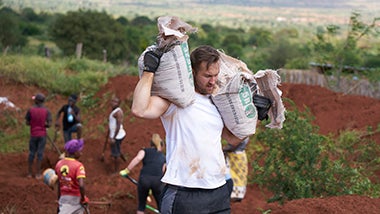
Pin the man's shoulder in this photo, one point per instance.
(63, 107)
(38, 108)
(118, 109)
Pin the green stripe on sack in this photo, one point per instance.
(186, 55)
(245, 96)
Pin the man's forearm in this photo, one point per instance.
(141, 95)
(230, 138)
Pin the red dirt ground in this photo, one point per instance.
(18, 194)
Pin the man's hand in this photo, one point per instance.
(124, 172)
(152, 60)
(112, 141)
(85, 201)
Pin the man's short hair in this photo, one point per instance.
(39, 98)
(73, 97)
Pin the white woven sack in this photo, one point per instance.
(234, 102)
(229, 66)
(173, 79)
(268, 81)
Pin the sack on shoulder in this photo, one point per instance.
(263, 104)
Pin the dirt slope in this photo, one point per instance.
(334, 112)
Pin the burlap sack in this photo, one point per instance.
(173, 79)
(229, 66)
(171, 30)
(234, 102)
(268, 81)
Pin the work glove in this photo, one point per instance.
(124, 173)
(85, 201)
(152, 60)
(263, 104)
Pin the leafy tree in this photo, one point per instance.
(98, 33)
(232, 44)
(207, 28)
(137, 40)
(347, 52)
(281, 52)
(259, 37)
(10, 32)
(206, 34)
(372, 61)
(29, 14)
(122, 20)
(202, 38)
(142, 21)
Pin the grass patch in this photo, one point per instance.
(63, 76)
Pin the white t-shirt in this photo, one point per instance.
(113, 123)
(194, 153)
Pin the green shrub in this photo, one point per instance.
(296, 162)
(89, 101)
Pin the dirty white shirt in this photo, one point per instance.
(194, 153)
(113, 123)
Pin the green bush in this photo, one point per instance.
(295, 162)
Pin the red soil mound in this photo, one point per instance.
(333, 113)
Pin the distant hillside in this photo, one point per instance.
(236, 13)
(282, 3)
(365, 4)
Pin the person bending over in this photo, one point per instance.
(150, 174)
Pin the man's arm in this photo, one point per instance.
(58, 189)
(48, 119)
(82, 190)
(119, 120)
(27, 118)
(76, 114)
(144, 105)
(230, 138)
(58, 116)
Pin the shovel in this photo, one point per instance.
(61, 155)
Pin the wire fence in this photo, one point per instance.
(353, 86)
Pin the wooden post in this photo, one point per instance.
(79, 50)
(104, 55)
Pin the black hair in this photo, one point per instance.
(74, 97)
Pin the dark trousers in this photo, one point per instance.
(36, 145)
(147, 183)
(182, 200)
